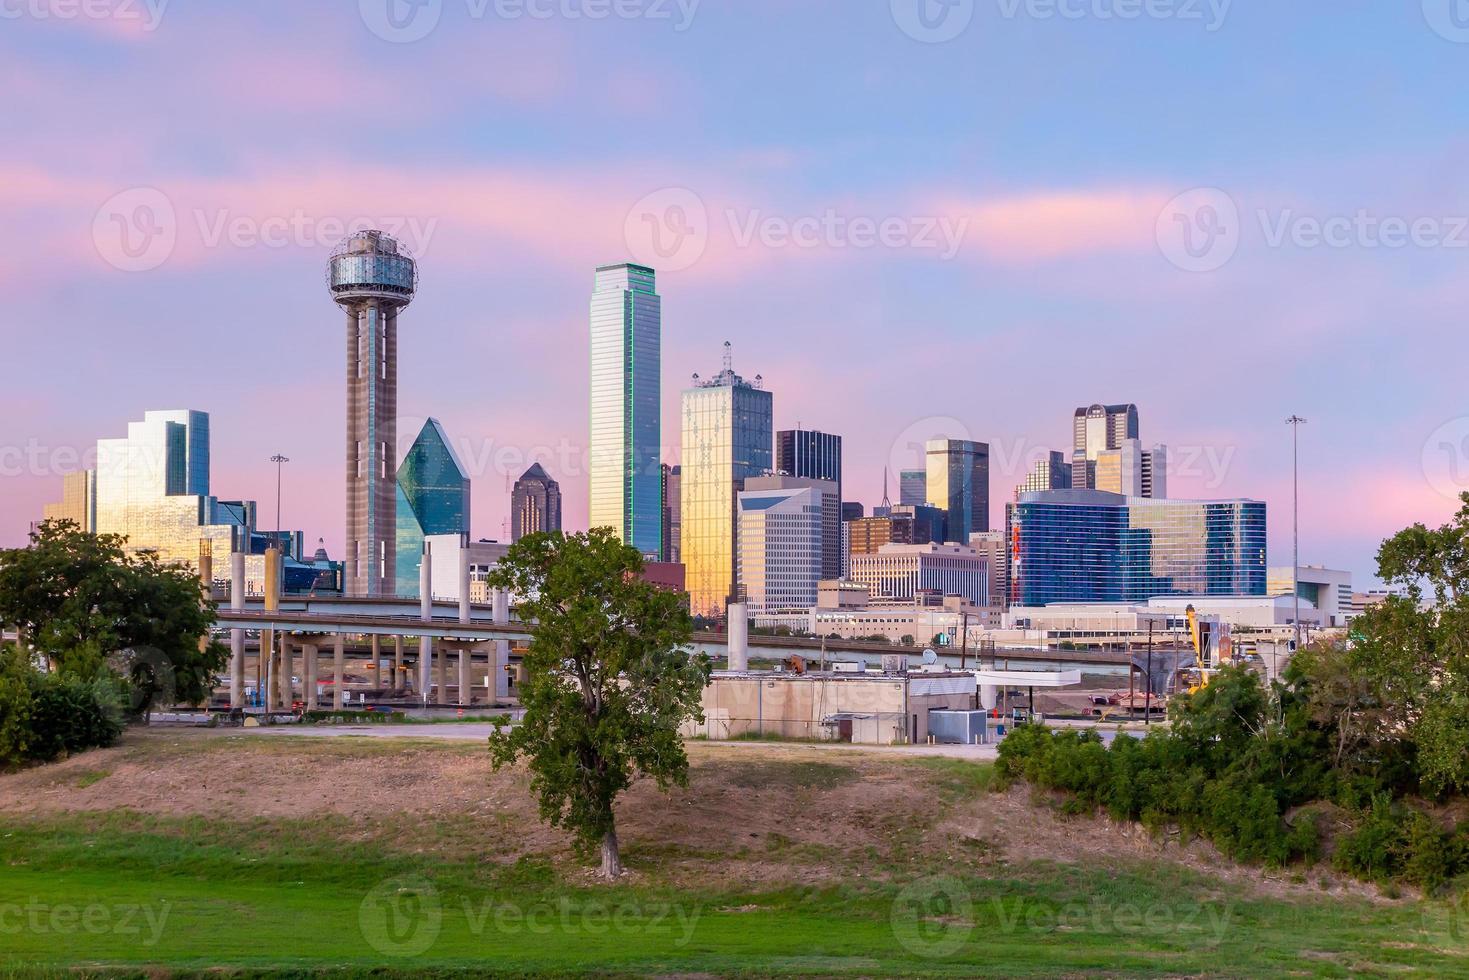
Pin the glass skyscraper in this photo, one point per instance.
(912, 487)
(727, 437)
(626, 479)
(959, 483)
(433, 498)
(1091, 546)
(153, 487)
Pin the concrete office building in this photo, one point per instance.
(372, 278)
(1094, 430)
(727, 439)
(1131, 470)
(866, 535)
(672, 514)
(535, 503)
(831, 527)
(626, 378)
(1050, 472)
(851, 511)
(1328, 590)
(959, 483)
(1098, 427)
(992, 546)
(903, 571)
(779, 552)
(432, 492)
(841, 706)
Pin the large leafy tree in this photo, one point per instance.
(1395, 697)
(609, 681)
(84, 603)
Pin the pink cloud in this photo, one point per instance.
(1056, 224)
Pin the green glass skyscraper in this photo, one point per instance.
(433, 498)
(626, 479)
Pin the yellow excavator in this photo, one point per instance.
(1213, 648)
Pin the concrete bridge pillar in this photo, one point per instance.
(466, 691)
(308, 678)
(376, 643)
(426, 613)
(237, 636)
(464, 612)
(499, 613)
(287, 669)
(339, 671)
(398, 663)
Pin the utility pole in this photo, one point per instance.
(964, 638)
(278, 460)
(1295, 422)
(1148, 698)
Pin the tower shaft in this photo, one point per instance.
(372, 446)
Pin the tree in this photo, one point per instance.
(1396, 697)
(85, 604)
(609, 681)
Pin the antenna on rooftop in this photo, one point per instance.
(728, 357)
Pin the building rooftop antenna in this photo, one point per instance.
(728, 357)
(885, 501)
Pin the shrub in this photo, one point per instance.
(1375, 849)
(69, 715)
(15, 706)
(43, 716)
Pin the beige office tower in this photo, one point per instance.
(78, 502)
(372, 278)
(1132, 470)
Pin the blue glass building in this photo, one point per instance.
(626, 478)
(1091, 546)
(433, 498)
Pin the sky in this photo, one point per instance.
(912, 218)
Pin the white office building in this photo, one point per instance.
(902, 571)
(779, 548)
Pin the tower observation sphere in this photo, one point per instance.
(372, 277)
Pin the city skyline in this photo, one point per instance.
(1060, 261)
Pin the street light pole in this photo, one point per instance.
(1295, 422)
(278, 460)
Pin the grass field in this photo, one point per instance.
(400, 891)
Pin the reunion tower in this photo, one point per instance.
(372, 277)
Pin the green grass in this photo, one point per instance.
(123, 891)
